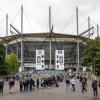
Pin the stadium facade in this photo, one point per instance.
(41, 41)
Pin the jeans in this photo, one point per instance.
(95, 92)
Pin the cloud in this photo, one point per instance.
(63, 14)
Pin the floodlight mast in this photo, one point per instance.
(88, 30)
(89, 25)
(77, 59)
(22, 37)
(97, 30)
(50, 37)
(6, 34)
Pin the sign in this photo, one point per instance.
(40, 60)
(84, 69)
(59, 60)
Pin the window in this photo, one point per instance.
(61, 59)
(38, 59)
(42, 61)
(42, 66)
(59, 51)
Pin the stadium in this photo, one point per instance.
(41, 41)
(48, 50)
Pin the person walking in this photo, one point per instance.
(11, 85)
(21, 84)
(73, 84)
(84, 84)
(31, 84)
(37, 82)
(94, 86)
(1, 86)
(24, 84)
(67, 84)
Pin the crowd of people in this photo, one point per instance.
(82, 81)
(29, 83)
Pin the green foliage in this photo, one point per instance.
(91, 54)
(96, 62)
(12, 62)
(2, 54)
(3, 70)
(8, 65)
(3, 66)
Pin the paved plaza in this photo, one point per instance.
(49, 93)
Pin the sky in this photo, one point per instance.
(36, 15)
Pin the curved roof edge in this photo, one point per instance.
(40, 35)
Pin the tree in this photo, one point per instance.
(3, 67)
(96, 63)
(2, 54)
(13, 63)
(91, 54)
(96, 60)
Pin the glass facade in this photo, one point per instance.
(30, 47)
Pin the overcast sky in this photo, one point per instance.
(36, 15)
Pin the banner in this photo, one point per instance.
(40, 60)
(59, 60)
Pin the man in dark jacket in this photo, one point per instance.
(84, 84)
(1, 86)
(94, 86)
(21, 84)
(37, 82)
(67, 81)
